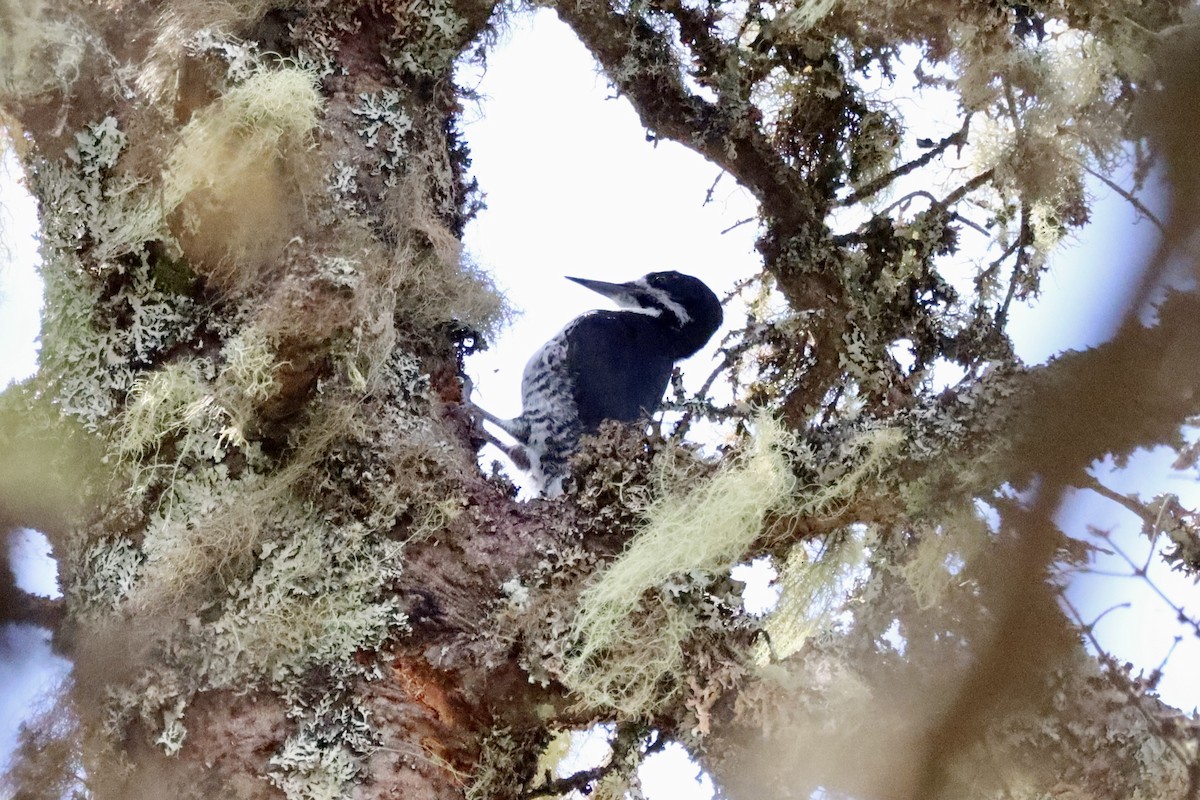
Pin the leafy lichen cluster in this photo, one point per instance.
(258, 297)
(323, 756)
(254, 364)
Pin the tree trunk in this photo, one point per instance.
(251, 219)
(287, 576)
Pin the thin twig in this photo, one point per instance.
(742, 285)
(1011, 101)
(970, 224)
(1181, 614)
(994, 267)
(933, 201)
(942, 205)
(1108, 611)
(685, 421)
(1024, 239)
(1128, 502)
(708, 196)
(1135, 699)
(1162, 665)
(872, 188)
(967, 188)
(1129, 197)
(738, 224)
(1103, 573)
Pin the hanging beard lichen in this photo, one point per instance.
(634, 620)
(629, 628)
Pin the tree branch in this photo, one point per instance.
(31, 609)
(1129, 197)
(871, 188)
(578, 782)
(641, 63)
(1024, 239)
(965, 189)
(582, 781)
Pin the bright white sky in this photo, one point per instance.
(574, 188)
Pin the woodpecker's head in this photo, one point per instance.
(685, 304)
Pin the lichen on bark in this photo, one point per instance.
(288, 576)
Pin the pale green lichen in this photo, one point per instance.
(321, 759)
(200, 31)
(243, 59)
(172, 731)
(201, 537)
(340, 271)
(94, 341)
(342, 185)
(385, 127)
(430, 39)
(517, 594)
(250, 364)
(811, 592)
(109, 569)
(97, 148)
(493, 776)
(704, 530)
(314, 768)
(934, 564)
(158, 702)
(246, 565)
(1180, 526)
(313, 595)
(267, 586)
(319, 37)
(268, 112)
(957, 443)
(105, 216)
(317, 597)
(238, 177)
(173, 406)
(107, 316)
(633, 621)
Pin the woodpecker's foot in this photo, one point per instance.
(476, 414)
(518, 456)
(516, 453)
(468, 387)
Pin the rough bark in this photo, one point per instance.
(289, 577)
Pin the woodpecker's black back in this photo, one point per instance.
(609, 365)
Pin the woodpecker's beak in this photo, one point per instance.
(621, 293)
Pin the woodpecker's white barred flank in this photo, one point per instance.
(606, 365)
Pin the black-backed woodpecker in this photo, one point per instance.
(606, 365)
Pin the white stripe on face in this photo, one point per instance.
(629, 300)
(665, 300)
